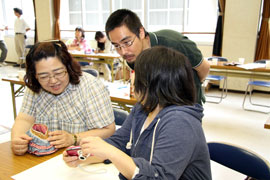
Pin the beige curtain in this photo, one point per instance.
(36, 34)
(263, 43)
(57, 16)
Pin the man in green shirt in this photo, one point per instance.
(127, 34)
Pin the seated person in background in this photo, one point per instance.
(79, 43)
(103, 46)
(71, 103)
(162, 138)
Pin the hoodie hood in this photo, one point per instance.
(196, 111)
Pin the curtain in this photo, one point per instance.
(263, 43)
(217, 47)
(36, 34)
(57, 16)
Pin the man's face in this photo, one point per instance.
(127, 44)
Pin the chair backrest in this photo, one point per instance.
(92, 71)
(220, 59)
(120, 116)
(240, 160)
(262, 61)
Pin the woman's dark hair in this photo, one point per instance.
(44, 50)
(81, 30)
(99, 35)
(163, 76)
(124, 17)
(17, 10)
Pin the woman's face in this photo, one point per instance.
(52, 75)
(78, 34)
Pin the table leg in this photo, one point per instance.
(112, 63)
(13, 100)
(124, 71)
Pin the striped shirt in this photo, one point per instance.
(79, 108)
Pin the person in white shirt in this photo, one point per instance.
(20, 28)
(3, 46)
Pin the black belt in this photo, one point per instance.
(19, 33)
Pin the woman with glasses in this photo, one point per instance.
(162, 138)
(71, 103)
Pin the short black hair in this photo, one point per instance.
(124, 17)
(163, 77)
(17, 10)
(81, 30)
(41, 50)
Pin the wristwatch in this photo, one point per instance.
(75, 137)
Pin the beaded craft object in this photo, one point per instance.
(39, 145)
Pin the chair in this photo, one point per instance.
(92, 72)
(217, 78)
(120, 116)
(240, 160)
(251, 84)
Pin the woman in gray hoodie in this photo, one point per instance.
(162, 138)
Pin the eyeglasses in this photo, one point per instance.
(46, 77)
(125, 44)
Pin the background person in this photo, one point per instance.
(20, 29)
(162, 138)
(70, 103)
(126, 33)
(79, 43)
(3, 46)
(103, 46)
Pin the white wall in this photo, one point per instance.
(206, 50)
(44, 27)
(240, 34)
(45, 18)
(12, 55)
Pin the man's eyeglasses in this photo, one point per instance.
(125, 44)
(46, 77)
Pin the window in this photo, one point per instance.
(194, 16)
(8, 17)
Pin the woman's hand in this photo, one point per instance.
(60, 139)
(71, 161)
(19, 144)
(95, 146)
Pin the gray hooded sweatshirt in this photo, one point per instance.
(180, 150)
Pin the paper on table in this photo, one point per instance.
(55, 169)
(119, 90)
(252, 65)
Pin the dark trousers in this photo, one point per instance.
(4, 50)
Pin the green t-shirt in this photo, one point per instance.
(178, 42)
